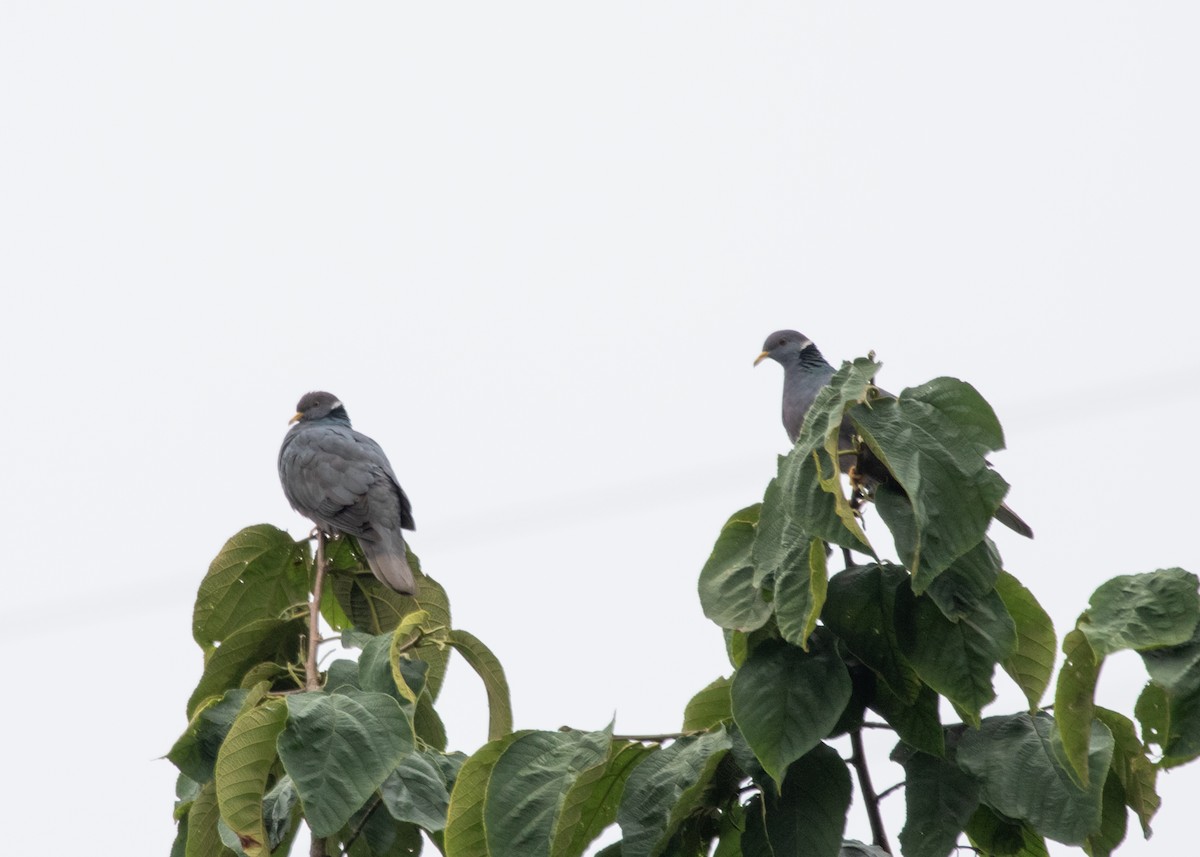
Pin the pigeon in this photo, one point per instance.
(805, 372)
(341, 480)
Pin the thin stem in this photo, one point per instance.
(846, 556)
(361, 824)
(888, 791)
(870, 799)
(657, 739)
(312, 674)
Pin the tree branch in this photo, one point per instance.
(870, 799)
(312, 672)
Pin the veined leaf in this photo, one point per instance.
(243, 765)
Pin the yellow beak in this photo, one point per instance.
(760, 358)
(295, 418)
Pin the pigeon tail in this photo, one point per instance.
(389, 563)
(1013, 521)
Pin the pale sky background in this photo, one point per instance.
(535, 248)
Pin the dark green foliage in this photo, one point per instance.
(817, 651)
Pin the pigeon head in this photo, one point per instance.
(319, 405)
(785, 347)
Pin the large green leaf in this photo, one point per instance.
(1074, 701)
(1023, 776)
(248, 646)
(1142, 611)
(339, 748)
(956, 659)
(195, 753)
(800, 591)
(592, 803)
(807, 816)
(664, 789)
(1113, 820)
(728, 594)
(786, 700)
(993, 836)
(1132, 766)
(203, 839)
(917, 723)
(417, 792)
(941, 799)
(968, 580)
(536, 788)
(488, 667)
(710, 707)
(1175, 692)
(860, 609)
(258, 574)
(932, 440)
(465, 835)
(243, 765)
(1032, 662)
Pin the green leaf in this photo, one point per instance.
(932, 439)
(955, 658)
(417, 792)
(810, 476)
(1132, 767)
(1112, 820)
(785, 700)
(407, 634)
(258, 574)
(1032, 662)
(774, 537)
(968, 580)
(917, 723)
(465, 835)
(994, 836)
(941, 799)
(195, 753)
(242, 769)
(664, 789)
(203, 840)
(281, 812)
(1074, 701)
(339, 748)
(536, 788)
(1142, 611)
(800, 591)
(860, 609)
(248, 646)
(710, 707)
(488, 667)
(728, 595)
(592, 804)
(1022, 775)
(807, 817)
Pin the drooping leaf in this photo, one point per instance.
(956, 659)
(1023, 776)
(195, 753)
(994, 836)
(807, 816)
(280, 812)
(941, 799)
(710, 707)
(258, 574)
(242, 769)
(800, 591)
(1113, 820)
(1142, 611)
(860, 609)
(663, 790)
(407, 635)
(530, 786)
(487, 665)
(967, 580)
(339, 748)
(1132, 766)
(248, 646)
(917, 723)
(416, 791)
(728, 595)
(1074, 702)
(932, 440)
(1032, 662)
(786, 700)
(203, 839)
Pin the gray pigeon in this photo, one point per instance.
(805, 372)
(341, 480)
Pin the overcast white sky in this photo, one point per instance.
(535, 248)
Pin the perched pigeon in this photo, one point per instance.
(342, 481)
(805, 372)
